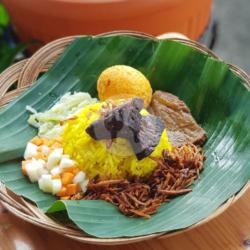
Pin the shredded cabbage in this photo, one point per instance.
(49, 123)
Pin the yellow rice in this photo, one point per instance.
(95, 158)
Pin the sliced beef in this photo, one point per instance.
(181, 126)
(125, 121)
(122, 121)
(151, 128)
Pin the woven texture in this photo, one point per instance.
(17, 79)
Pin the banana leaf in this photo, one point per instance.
(216, 96)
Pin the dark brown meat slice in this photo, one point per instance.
(148, 138)
(125, 121)
(181, 126)
(122, 121)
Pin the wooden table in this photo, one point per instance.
(231, 230)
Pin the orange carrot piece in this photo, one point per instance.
(67, 178)
(75, 171)
(70, 170)
(62, 192)
(37, 141)
(24, 168)
(45, 141)
(65, 198)
(40, 156)
(72, 189)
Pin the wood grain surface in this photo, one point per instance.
(231, 230)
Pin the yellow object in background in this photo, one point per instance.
(123, 82)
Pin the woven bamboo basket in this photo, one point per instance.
(18, 78)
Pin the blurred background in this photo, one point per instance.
(233, 31)
(26, 25)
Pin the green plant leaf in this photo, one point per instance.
(217, 97)
(4, 17)
(8, 54)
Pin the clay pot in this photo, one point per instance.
(47, 20)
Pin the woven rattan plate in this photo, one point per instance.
(20, 76)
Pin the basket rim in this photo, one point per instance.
(20, 73)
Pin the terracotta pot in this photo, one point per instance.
(47, 20)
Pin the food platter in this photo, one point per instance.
(40, 62)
